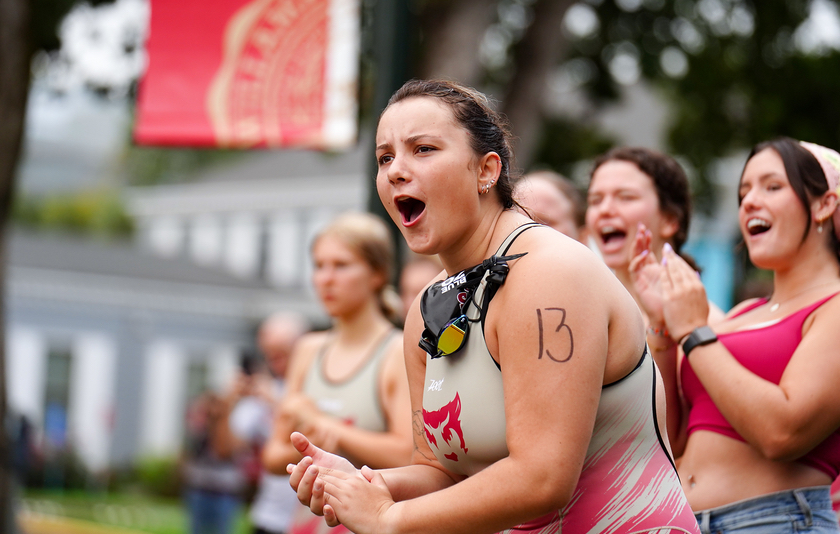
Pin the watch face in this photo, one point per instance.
(705, 334)
(700, 336)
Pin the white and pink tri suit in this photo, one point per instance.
(628, 483)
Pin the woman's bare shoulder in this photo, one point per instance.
(312, 341)
(558, 269)
(829, 309)
(306, 348)
(560, 273)
(550, 253)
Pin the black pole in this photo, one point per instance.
(392, 58)
(15, 63)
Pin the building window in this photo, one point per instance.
(56, 408)
(197, 378)
(57, 397)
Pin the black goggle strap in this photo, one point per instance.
(496, 270)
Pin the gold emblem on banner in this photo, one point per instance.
(269, 90)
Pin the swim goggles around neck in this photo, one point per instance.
(444, 305)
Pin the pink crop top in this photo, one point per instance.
(765, 352)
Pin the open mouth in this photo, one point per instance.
(610, 233)
(757, 226)
(410, 209)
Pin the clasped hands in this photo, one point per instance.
(333, 488)
(670, 290)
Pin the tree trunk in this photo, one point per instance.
(537, 54)
(15, 54)
(452, 33)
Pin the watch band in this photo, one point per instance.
(702, 335)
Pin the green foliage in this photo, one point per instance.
(154, 165)
(745, 82)
(123, 510)
(97, 213)
(159, 476)
(119, 512)
(565, 142)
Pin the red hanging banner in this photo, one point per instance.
(250, 74)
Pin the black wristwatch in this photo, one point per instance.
(699, 336)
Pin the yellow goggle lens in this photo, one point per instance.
(452, 336)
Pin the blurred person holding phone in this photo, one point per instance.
(255, 395)
(214, 481)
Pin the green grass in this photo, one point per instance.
(124, 510)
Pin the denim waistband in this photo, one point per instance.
(805, 502)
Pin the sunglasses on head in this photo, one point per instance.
(452, 336)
